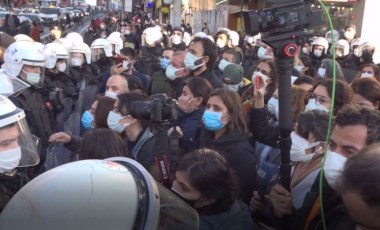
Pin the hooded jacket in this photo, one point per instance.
(239, 154)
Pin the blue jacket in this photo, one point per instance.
(191, 128)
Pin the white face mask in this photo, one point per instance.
(233, 88)
(76, 62)
(176, 39)
(62, 67)
(318, 53)
(111, 94)
(305, 50)
(113, 122)
(190, 60)
(261, 54)
(333, 168)
(299, 68)
(127, 32)
(9, 159)
(222, 64)
(313, 105)
(357, 52)
(259, 74)
(349, 35)
(170, 72)
(297, 150)
(126, 65)
(102, 26)
(364, 75)
(220, 43)
(273, 107)
(321, 72)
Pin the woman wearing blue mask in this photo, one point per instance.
(226, 132)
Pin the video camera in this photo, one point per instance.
(161, 111)
(285, 17)
(158, 109)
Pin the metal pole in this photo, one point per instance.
(177, 12)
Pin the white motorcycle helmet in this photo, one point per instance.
(234, 37)
(99, 44)
(13, 118)
(80, 47)
(23, 37)
(320, 41)
(74, 37)
(53, 52)
(116, 40)
(67, 43)
(23, 53)
(116, 193)
(343, 44)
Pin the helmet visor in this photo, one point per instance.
(29, 154)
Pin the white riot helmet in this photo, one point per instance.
(116, 40)
(74, 37)
(67, 43)
(253, 40)
(23, 37)
(356, 42)
(6, 86)
(320, 41)
(14, 130)
(344, 45)
(97, 194)
(53, 52)
(79, 48)
(234, 37)
(152, 35)
(329, 36)
(369, 46)
(23, 53)
(98, 45)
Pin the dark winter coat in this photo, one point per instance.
(236, 217)
(239, 154)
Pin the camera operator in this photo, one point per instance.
(139, 137)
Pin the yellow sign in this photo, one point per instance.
(165, 10)
(158, 3)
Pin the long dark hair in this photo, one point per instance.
(211, 175)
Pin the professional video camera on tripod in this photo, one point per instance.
(283, 27)
(161, 111)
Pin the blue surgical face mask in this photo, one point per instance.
(223, 64)
(164, 62)
(87, 119)
(212, 120)
(113, 120)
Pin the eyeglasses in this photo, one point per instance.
(262, 71)
(318, 99)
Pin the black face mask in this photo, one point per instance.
(367, 56)
(187, 201)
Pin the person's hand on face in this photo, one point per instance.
(185, 103)
(117, 69)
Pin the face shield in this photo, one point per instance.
(62, 65)
(115, 192)
(97, 53)
(33, 74)
(76, 59)
(16, 137)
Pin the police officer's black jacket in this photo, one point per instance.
(10, 184)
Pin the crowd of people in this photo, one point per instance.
(79, 97)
